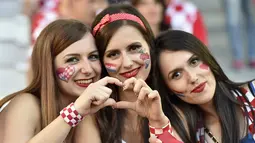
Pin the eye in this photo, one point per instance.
(135, 48)
(72, 60)
(93, 57)
(194, 61)
(113, 55)
(177, 75)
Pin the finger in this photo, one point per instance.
(99, 98)
(138, 85)
(125, 105)
(143, 93)
(110, 80)
(153, 139)
(154, 95)
(129, 83)
(108, 102)
(106, 90)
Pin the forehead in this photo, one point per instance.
(173, 59)
(85, 45)
(124, 36)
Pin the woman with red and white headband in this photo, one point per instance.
(125, 42)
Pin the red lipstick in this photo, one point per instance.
(131, 73)
(199, 88)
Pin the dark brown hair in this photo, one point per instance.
(224, 100)
(110, 121)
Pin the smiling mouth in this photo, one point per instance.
(199, 88)
(84, 82)
(131, 73)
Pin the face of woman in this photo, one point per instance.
(127, 55)
(151, 10)
(78, 66)
(187, 76)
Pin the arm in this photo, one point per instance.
(23, 120)
(148, 104)
(87, 131)
(23, 115)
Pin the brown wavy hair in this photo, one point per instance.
(55, 38)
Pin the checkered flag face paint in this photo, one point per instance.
(65, 73)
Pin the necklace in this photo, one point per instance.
(211, 135)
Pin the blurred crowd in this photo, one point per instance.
(161, 15)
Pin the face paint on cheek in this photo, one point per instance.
(204, 66)
(146, 58)
(65, 73)
(110, 67)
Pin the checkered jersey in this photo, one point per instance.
(250, 98)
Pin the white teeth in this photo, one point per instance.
(84, 81)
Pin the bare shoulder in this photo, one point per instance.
(25, 102)
(23, 105)
(20, 118)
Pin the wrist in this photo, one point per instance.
(159, 123)
(71, 115)
(80, 110)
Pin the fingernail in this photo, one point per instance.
(158, 141)
(124, 88)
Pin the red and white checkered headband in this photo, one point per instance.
(114, 17)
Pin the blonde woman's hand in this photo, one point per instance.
(96, 96)
(148, 103)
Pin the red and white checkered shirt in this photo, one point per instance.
(184, 15)
(250, 95)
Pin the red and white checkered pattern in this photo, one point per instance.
(159, 131)
(114, 17)
(70, 115)
(182, 15)
(65, 73)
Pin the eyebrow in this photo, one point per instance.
(130, 45)
(76, 54)
(177, 69)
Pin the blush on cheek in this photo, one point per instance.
(65, 73)
(204, 66)
(110, 67)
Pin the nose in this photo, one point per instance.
(127, 61)
(86, 68)
(193, 77)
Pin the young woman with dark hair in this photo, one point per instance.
(125, 42)
(188, 77)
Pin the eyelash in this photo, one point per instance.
(196, 60)
(94, 57)
(113, 54)
(71, 60)
(135, 48)
(174, 74)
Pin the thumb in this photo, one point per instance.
(153, 139)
